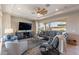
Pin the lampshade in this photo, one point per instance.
(9, 30)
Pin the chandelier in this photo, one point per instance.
(41, 11)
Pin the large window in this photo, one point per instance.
(56, 26)
(60, 26)
(41, 27)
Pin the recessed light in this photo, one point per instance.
(18, 8)
(57, 9)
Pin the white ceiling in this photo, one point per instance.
(27, 10)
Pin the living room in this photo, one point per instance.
(28, 21)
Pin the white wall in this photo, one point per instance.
(0, 30)
(6, 23)
(73, 27)
(73, 24)
(0, 23)
(0, 20)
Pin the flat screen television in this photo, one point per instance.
(24, 26)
